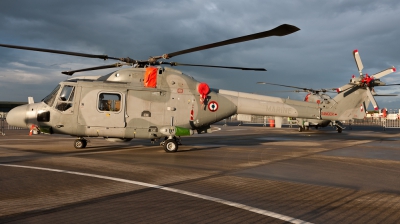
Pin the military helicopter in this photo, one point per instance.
(317, 96)
(154, 102)
(321, 97)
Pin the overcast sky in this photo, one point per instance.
(317, 56)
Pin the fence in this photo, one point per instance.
(2, 120)
(250, 119)
(5, 126)
(389, 123)
(368, 121)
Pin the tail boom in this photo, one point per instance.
(345, 106)
(254, 104)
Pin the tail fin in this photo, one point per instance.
(359, 113)
(352, 103)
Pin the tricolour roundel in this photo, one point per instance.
(213, 106)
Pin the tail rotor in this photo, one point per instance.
(366, 81)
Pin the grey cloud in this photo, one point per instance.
(318, 56)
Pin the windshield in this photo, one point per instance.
(49, 100)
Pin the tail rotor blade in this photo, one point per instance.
(344, 88)
(372, 99)
(383, 73)
(358, 61)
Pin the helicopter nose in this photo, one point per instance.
(17, 116)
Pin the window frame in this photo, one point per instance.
(69, 101)
(107, 97)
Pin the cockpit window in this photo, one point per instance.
(66, 98)
(49, 100)
(67, 93)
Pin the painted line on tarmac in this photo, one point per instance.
(188, 193)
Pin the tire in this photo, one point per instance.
(170, 145)
(300, 128)
(84, 143)
(339, 130)
(80, 144)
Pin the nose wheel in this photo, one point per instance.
(80, 143)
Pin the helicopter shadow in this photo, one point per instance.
(197, 149)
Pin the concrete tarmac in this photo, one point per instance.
(241, 174)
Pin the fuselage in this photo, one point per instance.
(130, 104)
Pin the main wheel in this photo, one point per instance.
(80, 143)
(339, 130)
(307, 128)
(300, 128)
(170, 145)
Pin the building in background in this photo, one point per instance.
(6, 106)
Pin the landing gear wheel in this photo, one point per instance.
(339, 130)
(84, 143)
(300, 128)
(170, 145)
(307, 128)
(316, 127)
(80, 143)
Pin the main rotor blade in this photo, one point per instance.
(383, 73)
(359, 64)
(55, 51)
(372, 99)
(397, 84)
(281, 30)
(287, 91)
(93, 68)
(212, 66)
(104, 57)
(285, 86)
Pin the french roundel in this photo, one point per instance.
(213, 106)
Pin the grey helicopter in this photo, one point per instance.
(150, 101)
(320, 96)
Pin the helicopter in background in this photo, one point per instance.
(318, 96)
(321, 97)
(159, 103)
